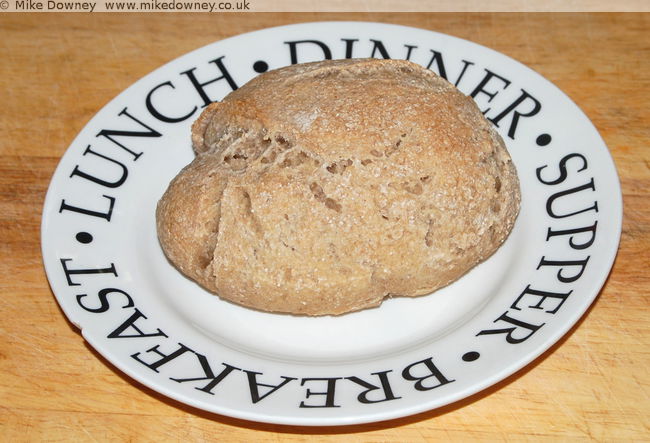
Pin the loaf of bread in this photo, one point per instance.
(323, 188)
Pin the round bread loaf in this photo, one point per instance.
(323, 188)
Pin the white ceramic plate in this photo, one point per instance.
(112, 280)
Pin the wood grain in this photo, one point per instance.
(58, 70)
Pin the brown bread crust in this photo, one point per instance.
(324, 187)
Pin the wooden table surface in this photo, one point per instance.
(57, 71)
